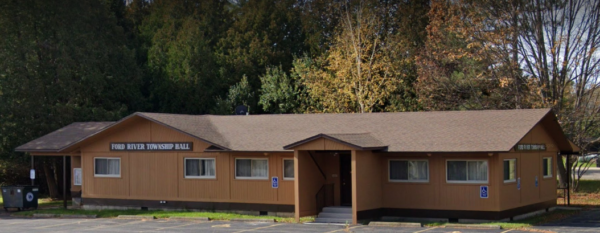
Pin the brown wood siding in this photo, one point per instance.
(141, 130)
(205, 189)
(529, 165)
(75, 163)
(510, 195)
(309, 180)
(323, 144)
(160, 175)
(368, 180)
(105, 186)
(438, 194)
(411, 195)
(153, 175)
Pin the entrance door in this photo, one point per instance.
(530, 171)
(346, 179)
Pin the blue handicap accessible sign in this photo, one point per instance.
(274, 182)
(483, 191)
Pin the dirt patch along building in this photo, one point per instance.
(491, 164)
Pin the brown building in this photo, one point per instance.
(457, 164)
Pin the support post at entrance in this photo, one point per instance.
(296, 187)
(65, 181)
(568, 181)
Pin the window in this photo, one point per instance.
(547, 167)
(107, 167)
(288, 169)
(467, 171)
(409, 170)
(510, 170)
(252, 169)
(199, 168)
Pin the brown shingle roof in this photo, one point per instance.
(64, 137)
(443, 131)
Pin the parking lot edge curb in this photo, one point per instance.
(252, 220)
(141, 217)
(472, 226)
(395, 224)
(190, 218)
(46, 215)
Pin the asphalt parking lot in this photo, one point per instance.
(123, 225)
(586, 221)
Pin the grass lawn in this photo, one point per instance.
(519, 224)
(159, 214)
(587, 196)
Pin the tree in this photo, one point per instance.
(558, 47)
(239, 94)
(358, 74)
(59, 65)
(468, 61)
(182, 37)
(263, 33)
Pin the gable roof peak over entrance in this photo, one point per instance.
(359, 141)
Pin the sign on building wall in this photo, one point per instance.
(151, 146)
(274, 182)
(483, 192)
(77, 176)
(530, 147)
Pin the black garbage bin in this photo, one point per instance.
(20, 197)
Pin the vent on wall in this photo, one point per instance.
(263, 213)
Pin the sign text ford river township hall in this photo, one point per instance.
(151, 146)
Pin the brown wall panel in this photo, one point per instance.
(510, 195)
(141, 130)
(205, 189)
(153, 175)
(105, 186)
(331, 145)
(438, 194)
(368, 180)
(310, 180)
(138, 130)
(318, 144)
(548, 185)
(407, 194)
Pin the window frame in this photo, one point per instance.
(407, 180)
(516, 171)
(185, 176)
(487, 181)
(283, 171)
(251, 177)
(551, 172)
(107, 175)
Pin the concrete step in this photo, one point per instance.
(335, 215)
(333, 220)
(338, 209)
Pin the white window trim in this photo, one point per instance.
(199, 177)
(513, 180)
(250, 178)
(549, 167)
(487, 181)
(408, 181)
(109, 176)
(283, 171)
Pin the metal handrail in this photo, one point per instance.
(324, 197)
